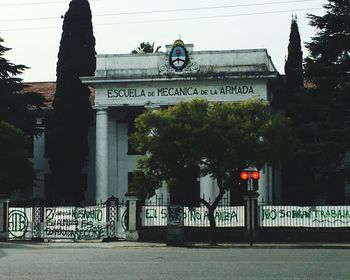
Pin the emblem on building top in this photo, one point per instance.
(179, 60)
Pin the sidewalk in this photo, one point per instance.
(189, 245)
(304, 245)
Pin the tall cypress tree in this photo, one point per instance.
(68, 135)
(293, 82)
(293, 67)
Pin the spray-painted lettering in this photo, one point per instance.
(296, 216)
(195, 216)
(77, 223)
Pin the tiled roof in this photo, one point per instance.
(47, 91)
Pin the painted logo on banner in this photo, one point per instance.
(18, 223)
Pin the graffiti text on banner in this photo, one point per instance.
(232, 216)
(296, 216)
(77, 223)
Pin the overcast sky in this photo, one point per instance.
(32, 28)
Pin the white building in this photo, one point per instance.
(126, 84)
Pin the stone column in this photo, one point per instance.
(4, 213)
(101, 154)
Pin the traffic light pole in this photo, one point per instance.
(250, 181)
(251, 237)
(251, 213)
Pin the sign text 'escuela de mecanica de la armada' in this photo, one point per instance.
(181, 74)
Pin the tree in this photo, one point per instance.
(328, 63)
(293, 67)
(293, 186)
(16, 171)
(14, 104)
(321, 114)
(221, 139)
(68, 135)
(146, 47)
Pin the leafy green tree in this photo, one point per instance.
(68, 135)
(146, 47)
(16, 171)
(321, 114)
(220, 138)
(13, 103)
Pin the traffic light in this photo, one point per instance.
(244, 176)
(250, 179)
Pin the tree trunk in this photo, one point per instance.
(213, 239)
(211, 216)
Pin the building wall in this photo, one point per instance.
(41, 164)
(89, 168)
(124, 81)
(121, 163)
(40, 161)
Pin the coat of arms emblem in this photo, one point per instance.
(178, 58)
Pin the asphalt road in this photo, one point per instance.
(107, 261)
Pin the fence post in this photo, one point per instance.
(251, 211)
(175, 226)
(112, 218)
(38, 219)
(4, 216)
(132, 233)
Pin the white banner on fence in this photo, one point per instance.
(20, 223)
(232, 216)
(78, 223)
(296, 216)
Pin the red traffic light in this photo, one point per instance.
(244, 175)
(255, 175)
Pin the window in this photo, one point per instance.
(131, 130)
(130, 179)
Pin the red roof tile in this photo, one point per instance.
(47, 91)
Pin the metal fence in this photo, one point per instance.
(304, 216)
(78, 223)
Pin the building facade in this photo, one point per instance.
(127, 84)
